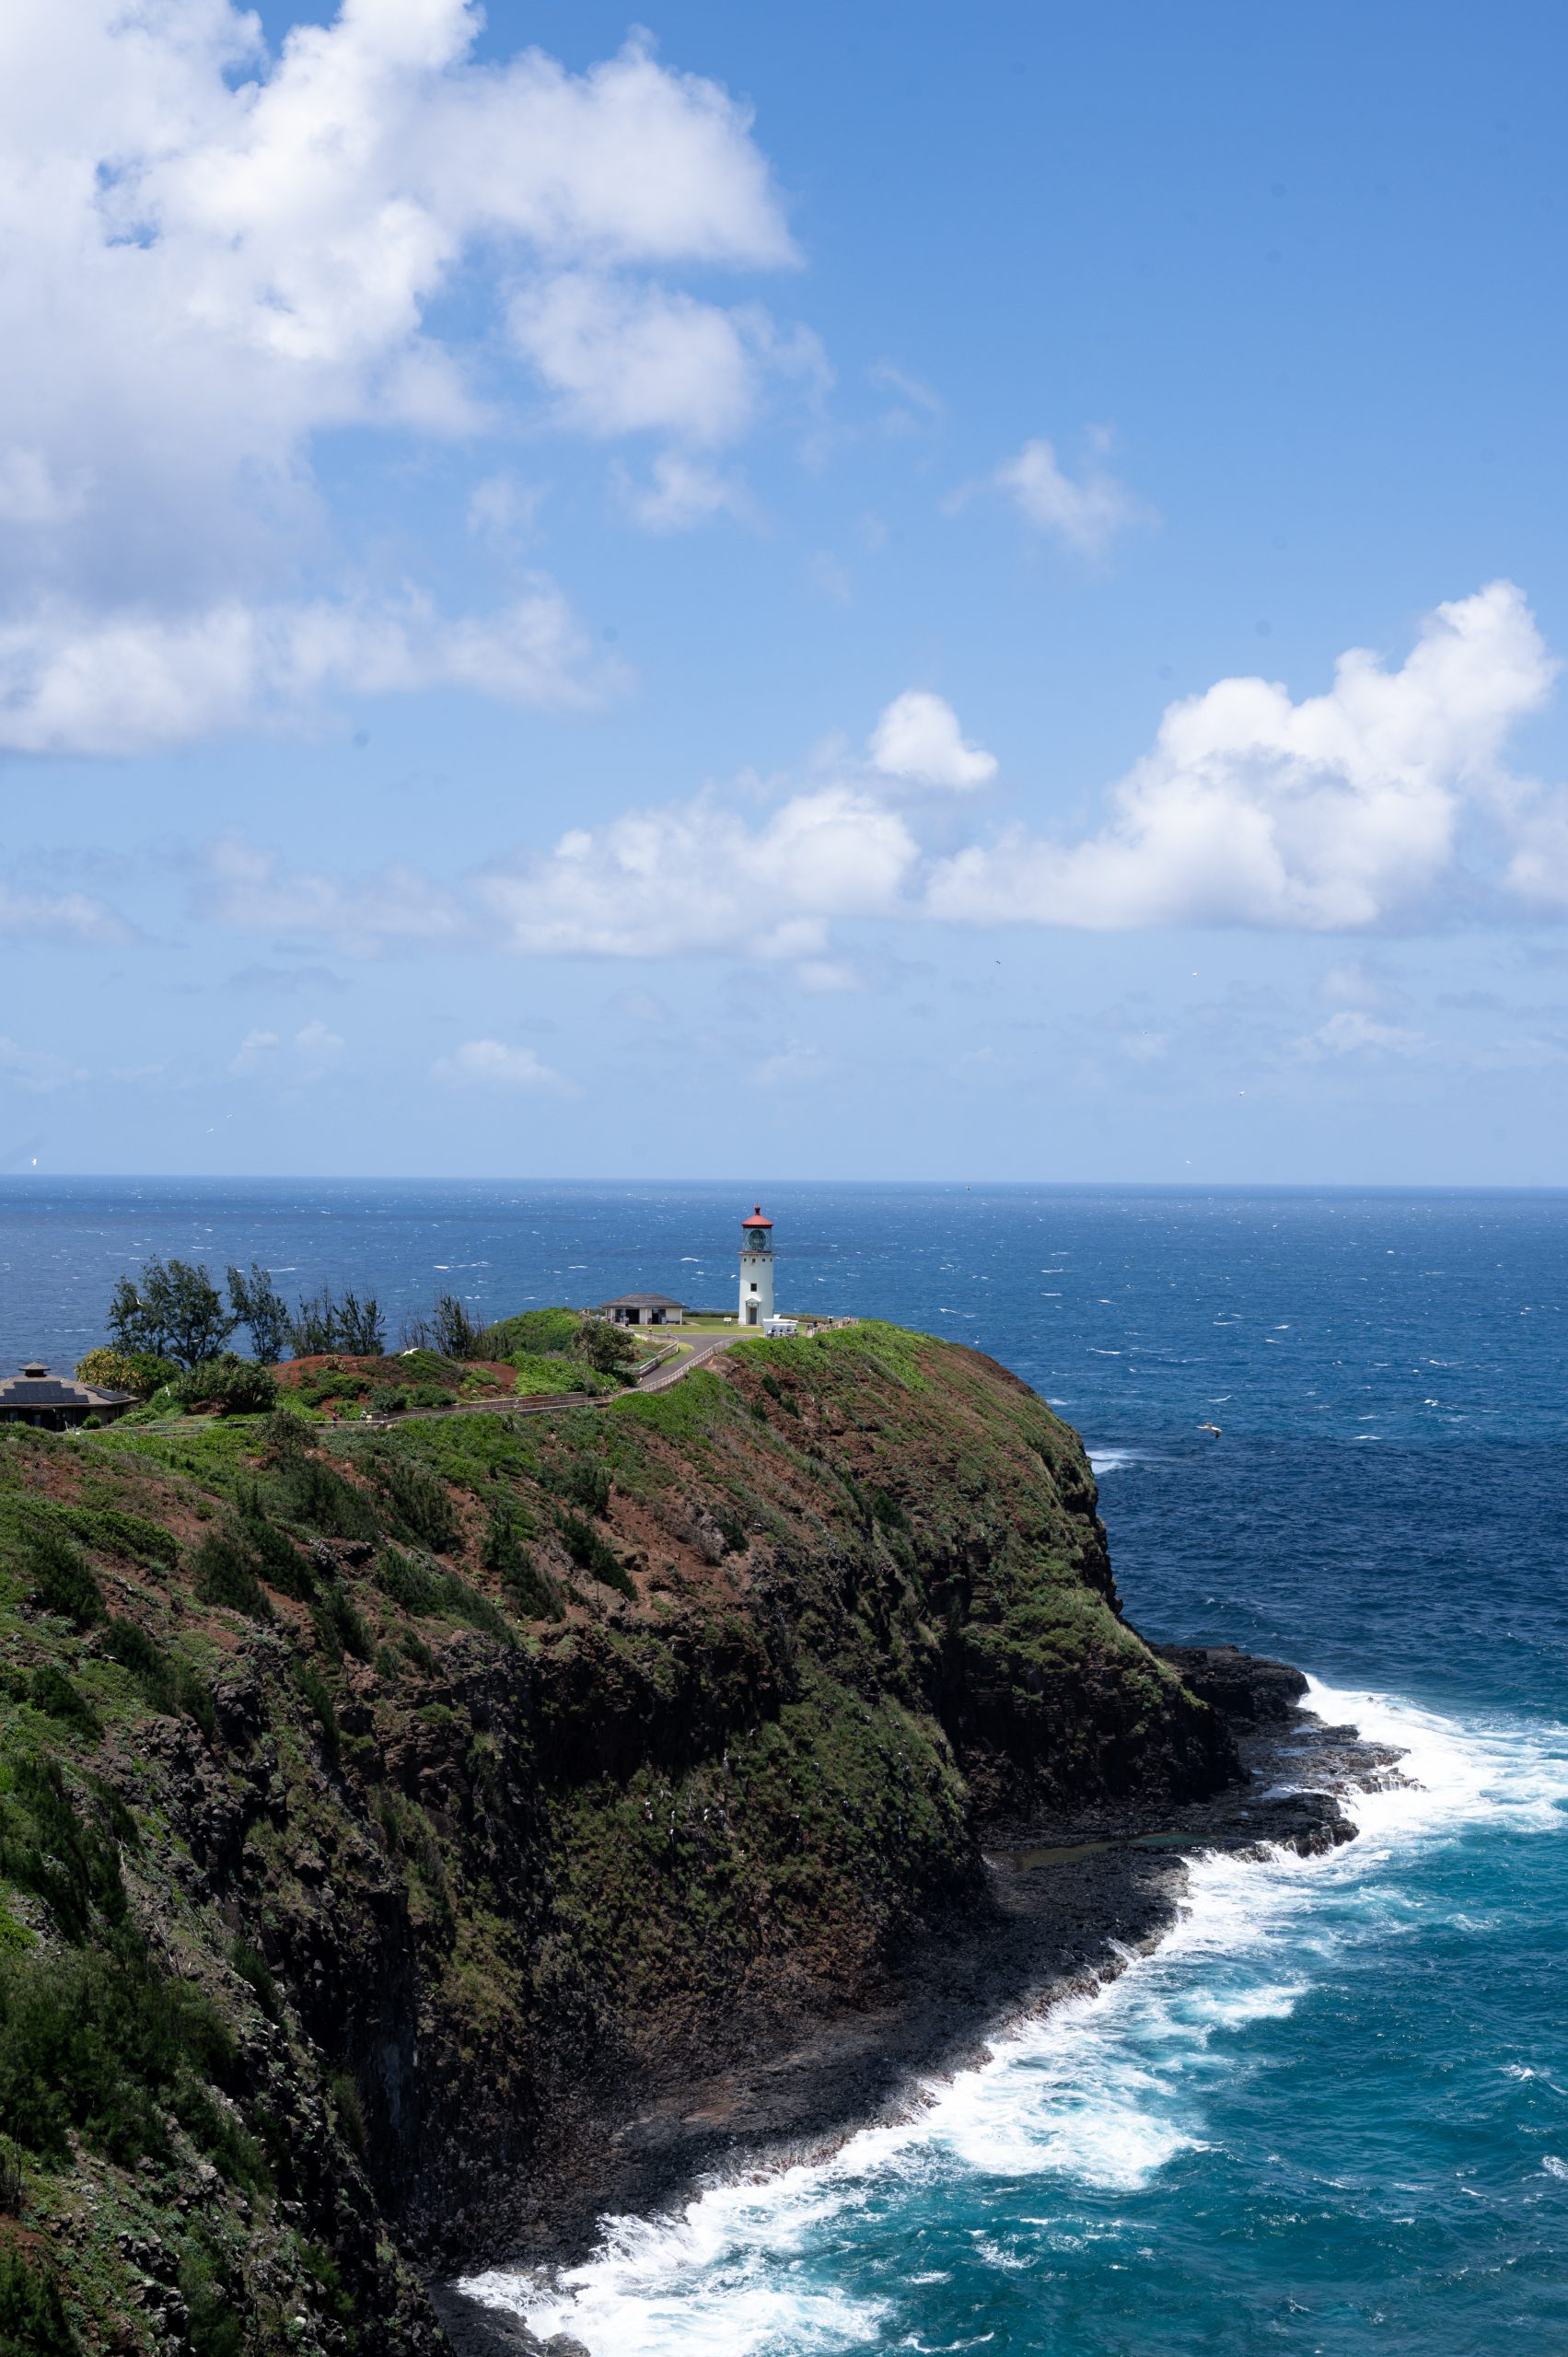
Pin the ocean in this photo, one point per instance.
(1330, 2113)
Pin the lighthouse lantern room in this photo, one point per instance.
(756, 1269)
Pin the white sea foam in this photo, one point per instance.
(1102, 2092)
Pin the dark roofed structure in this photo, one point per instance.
(642, 1309)
(56, 1401)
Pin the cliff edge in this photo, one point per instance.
(393, 1824)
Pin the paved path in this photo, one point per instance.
(703, 1347)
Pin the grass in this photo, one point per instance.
(631, 1805)
(538, 1377)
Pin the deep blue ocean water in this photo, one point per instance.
(1331, 2113)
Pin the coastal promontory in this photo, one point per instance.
(416, 1839)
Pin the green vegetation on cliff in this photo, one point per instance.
(381, 1813)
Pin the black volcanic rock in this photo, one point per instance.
(452, 1832)
(1246, 1688)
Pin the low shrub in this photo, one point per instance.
(462, 1602)
(114, 1532)
(584, 1480)
(590, 1552)
(318, 1696)
(435, 1593)
(419, 1501)
(532, 1590)
(342, 2090)
(339, 1623)
(543, 1333)
(329, 1383)
(331, 2292)
(277, 1558)
(414, 1586)
(251, 1967)
(139, 1372)
(99, 2044)
(608, 1348)
(214, 2326)
(231, 1385)
(322, 1498)
(71, 1862)
(283, 1438)
(171, 1686)
(421, 1365)
(226, 1574)
(53, 1693)
(538, 1376)
(60, 1579)
(32, 2317)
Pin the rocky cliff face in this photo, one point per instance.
(389, 1820)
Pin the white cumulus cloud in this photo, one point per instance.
(58, 916)
(491, 1063)
(1537, 820)
(133, 679)
(699, 876)
(918, 738)
(1377, 801)
(1354, 1032)
(247, 889)
(683, 492)
(215, 255)
(318, 1052)
(256, 1052)
(1086, 513)
(1252, 809)
(36, 1070)
(625, 359)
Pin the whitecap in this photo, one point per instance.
(1105, 2090)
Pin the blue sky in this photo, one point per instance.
(908, 592)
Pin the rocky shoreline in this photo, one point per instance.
(1067, 1900)
(506, 1820)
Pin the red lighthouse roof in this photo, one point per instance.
(757, 1219)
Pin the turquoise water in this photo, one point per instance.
(1331, 2114)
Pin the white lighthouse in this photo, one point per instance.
(756, 1269)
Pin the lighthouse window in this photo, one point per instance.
(753, 1284)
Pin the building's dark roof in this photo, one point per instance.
(642, 1301)
(41, 1389)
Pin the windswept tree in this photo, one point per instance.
(451, 1331)
(173, 1310)
(258, 1304)
(359, 1323)
(607, 1348)
(326, 1321)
